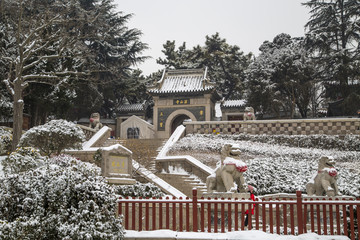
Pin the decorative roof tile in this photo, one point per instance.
(131, 107)
(234, 103)
(182, 81)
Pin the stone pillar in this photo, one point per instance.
(116, 165)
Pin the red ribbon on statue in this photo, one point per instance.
(332, 172)
(242, 168)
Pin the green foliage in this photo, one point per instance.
(281, 77)
(53, 137)
(5, 140)
(78, 58)
(139, 190)
(22, 160)
(333, 37)
(98, 157)
(63, 199)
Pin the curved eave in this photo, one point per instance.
(187, 92)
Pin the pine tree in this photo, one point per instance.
(64, 44)
(281, 77)
(333, 36)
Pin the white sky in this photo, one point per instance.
(245, 23)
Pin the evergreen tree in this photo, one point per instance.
(333, 37)
(281, 78)
(65, 44)
(226, 63)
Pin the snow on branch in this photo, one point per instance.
(28, 38)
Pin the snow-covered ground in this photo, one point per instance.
(239, 235)
(274, 168)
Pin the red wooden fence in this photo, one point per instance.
(285, 216)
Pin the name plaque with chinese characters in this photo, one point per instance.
(181, 101)
(118, 164)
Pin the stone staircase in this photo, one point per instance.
(145, 152)
(184, 182)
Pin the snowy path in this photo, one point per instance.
(239, 235)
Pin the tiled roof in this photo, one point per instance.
(182, 81)
(234, 103)
(131, 107)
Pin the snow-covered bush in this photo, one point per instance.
(274, 175)
(63, 199)
(23, 159)
(53, 137)
(274, 168)
(348, 143)
(5, 140)
(139, 190)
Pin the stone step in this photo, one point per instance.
(191, 180)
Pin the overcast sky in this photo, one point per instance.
(245, 23)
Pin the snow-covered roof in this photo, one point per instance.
(137, 119)
(234, 103)
(136, 107)
(182, 81)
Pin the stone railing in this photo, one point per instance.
(169, 164)
(89, 132)
(327, 126)
(92, 145)
(189, 164)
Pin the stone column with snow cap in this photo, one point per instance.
(116, 165)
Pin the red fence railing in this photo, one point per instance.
(285, 216)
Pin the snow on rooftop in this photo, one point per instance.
(180, 81)
(131, 107)
(234, 103)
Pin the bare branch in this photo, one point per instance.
(28, 39)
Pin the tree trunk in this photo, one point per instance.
(17, 116)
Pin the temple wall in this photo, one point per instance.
(328, 126)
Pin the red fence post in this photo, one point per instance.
(140, 216)
(120, 207)
(358, 215)
(222, 215)
(174, 214)
(195, 217)
(299, 212)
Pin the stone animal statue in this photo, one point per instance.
(95, 121)
(229, 171)
(249, 114)
(324, 182)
